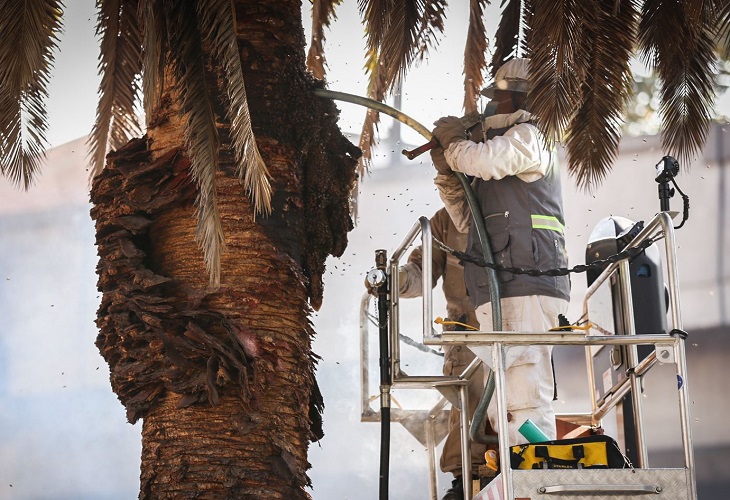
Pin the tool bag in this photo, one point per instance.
(591, 452)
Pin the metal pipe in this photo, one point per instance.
(423, 227)
(431, 450)
(555, 338)
(364, 357)
(427, 277)
(502, 430)
(465, 448)
(618, 391)
(683, 389)
(627, 307)
(394, 313)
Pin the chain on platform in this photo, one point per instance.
(598, 265)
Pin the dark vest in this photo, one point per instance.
(525, 224)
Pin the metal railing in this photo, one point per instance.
(670, 348)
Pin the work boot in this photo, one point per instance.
(456, 492)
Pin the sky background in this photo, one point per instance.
(396, 195)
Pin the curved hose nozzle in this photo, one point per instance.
(413, 153)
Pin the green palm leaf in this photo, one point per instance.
(28, 37)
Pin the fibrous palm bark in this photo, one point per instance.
(223, 378)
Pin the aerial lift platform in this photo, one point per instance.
(636, 480)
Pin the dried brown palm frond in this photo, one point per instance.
(595, 130)
(475, 54)
(398, 48)
(201, 135)
(376, 91)
(120, 64)
(430, 27)
(559, 50)
(154, 23)
(698, 12)
(323, 12)
(523, 47)
(219, 28)
(28, 37)
(375, 14)
(722, 23)
(400, 32)
(681, 52)
(507, 37)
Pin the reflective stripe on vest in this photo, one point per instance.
(547, 222)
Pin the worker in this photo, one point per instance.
(456, 358)
(517, 188)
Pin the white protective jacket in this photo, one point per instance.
(520, 151)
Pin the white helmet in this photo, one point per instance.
(512, 75)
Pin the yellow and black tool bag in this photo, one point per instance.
(590, 452)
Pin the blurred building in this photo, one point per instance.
(63, 434)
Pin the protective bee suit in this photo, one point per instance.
(517, 185)
(459, 307)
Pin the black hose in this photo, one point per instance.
(385, 377)
(494, 295)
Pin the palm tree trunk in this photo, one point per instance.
(223, 379)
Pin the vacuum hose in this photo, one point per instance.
(481, 411)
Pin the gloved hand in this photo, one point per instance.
(372, 290)
(448, 129)
(439, 161)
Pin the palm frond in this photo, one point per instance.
(155, 46)
(400, 32)
(722, 23)
(376, 91)
(559, 60)
(201, 135)
(507, 37)
(475, 55)
(376, 17)
(120, 64)
(595, 131)
(681, 52)
(28, 37)
(430, 27)
(524, 41)
(398, 47)
(323, 12)
(698, 12)
(218, 25)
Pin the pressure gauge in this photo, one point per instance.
(376, 277)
